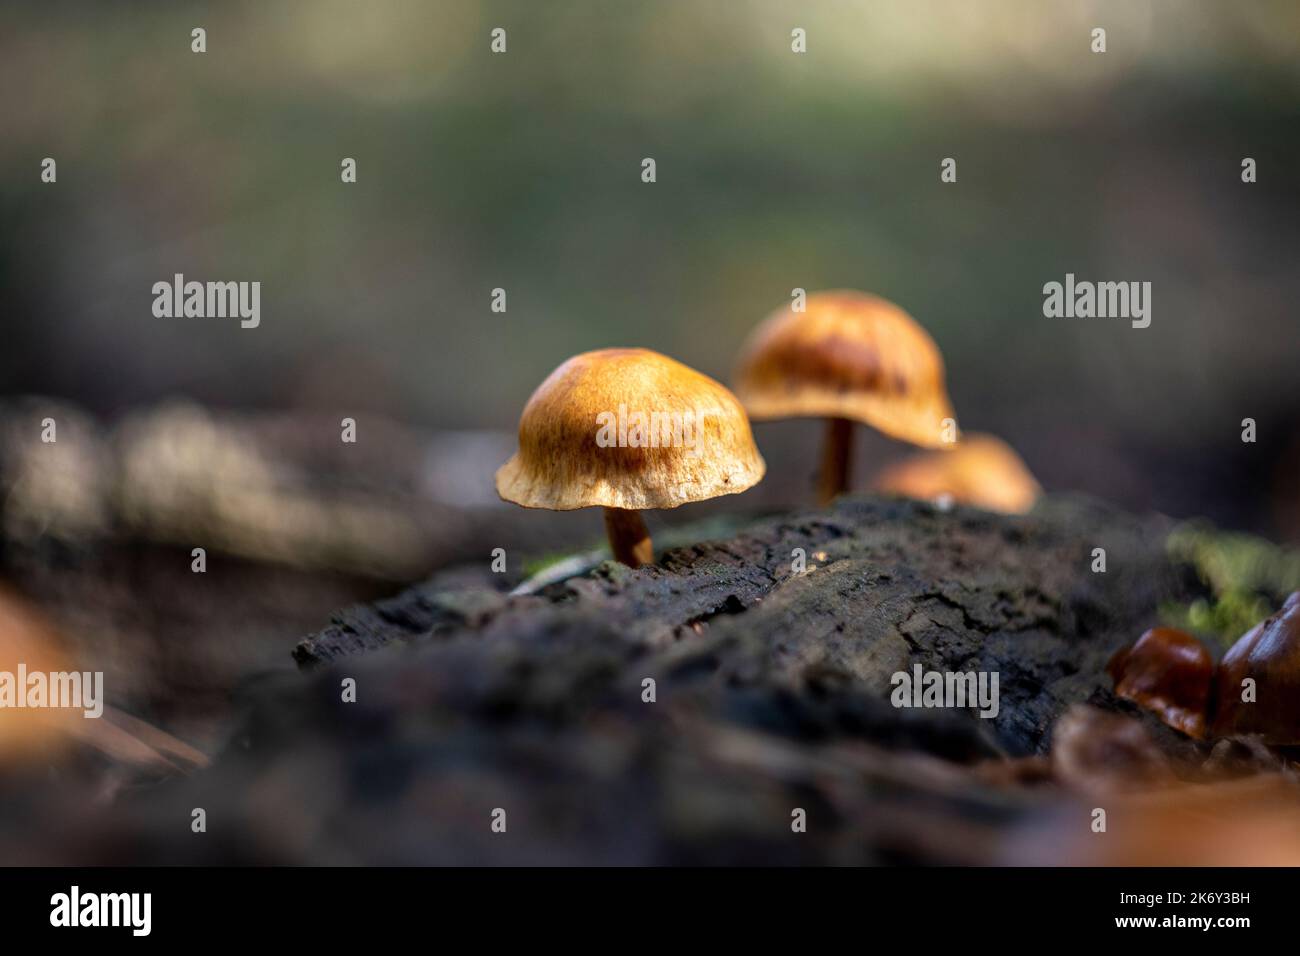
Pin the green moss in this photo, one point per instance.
(1247, 577)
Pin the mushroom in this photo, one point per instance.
(850, 357)
(1170, 673)
(982, 471)
(1269, 653)
(627, 430)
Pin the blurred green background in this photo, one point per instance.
(775, 170)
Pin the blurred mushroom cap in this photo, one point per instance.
(1269, 653)
(849, 355)
(27, 638)
(629, 428)
(981, 470)
(1169, 673)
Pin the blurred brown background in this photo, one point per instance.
(775, 170)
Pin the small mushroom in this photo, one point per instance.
(982, 471)
(629, 430)
(849, 357)
(1269, 653)
(1169, 673)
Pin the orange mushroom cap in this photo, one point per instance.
(982, 470)
(849, 355)
(631, 429)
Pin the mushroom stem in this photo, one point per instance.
(628, 537)
(836, 452)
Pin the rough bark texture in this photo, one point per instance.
(889, 585)
(772, 695)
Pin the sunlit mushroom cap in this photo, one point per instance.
(849, 355)
(982, 471)
(629, 428)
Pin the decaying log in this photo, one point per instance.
(771, 705)
(770, 641)
(771, 696)
(888, 585)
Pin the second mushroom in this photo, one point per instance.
(848, 357)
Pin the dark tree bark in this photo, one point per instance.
(889, 585)
(771, 697)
